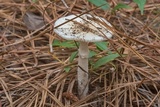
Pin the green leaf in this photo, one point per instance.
(121, 6)
(100, 3)
(92, 53)
(67, 69)
(73, 55)
(102, 45)
(34, 1)
(105, 60)
(56, 43)
(140, 4)
(66, 44)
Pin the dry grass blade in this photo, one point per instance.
(51, 95)
(6, 91)
(153, 99)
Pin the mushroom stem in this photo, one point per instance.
(83, 69)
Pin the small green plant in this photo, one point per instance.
(104, 5)
(101, 46)
(67, 69)
(65, 44)
(100, 3)
(121, 6)
(140, 4)
(105, 59)
(34, 1)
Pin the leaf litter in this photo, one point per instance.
(32, 75)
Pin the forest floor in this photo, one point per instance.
(34, 72)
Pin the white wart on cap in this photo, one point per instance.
(85, 28)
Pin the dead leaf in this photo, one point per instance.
(32, 21)
(70, 96)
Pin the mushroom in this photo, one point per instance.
(85, 28)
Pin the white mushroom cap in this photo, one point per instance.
(85, 28)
